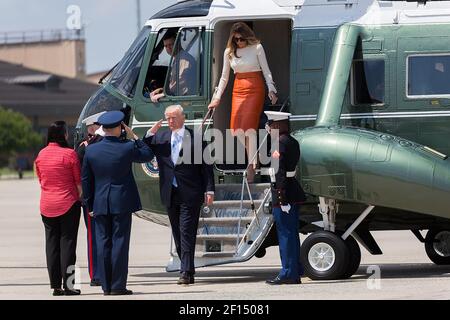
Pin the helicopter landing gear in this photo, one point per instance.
(437, 246)
(328, 254)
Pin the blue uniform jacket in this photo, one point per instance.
(107, 179)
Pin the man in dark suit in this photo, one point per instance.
(184, 183)
(111, 195)
(287, 195)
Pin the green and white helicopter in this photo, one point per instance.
(368, 84)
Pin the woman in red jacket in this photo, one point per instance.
(58, 170)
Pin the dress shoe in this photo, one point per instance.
(278, 281)
(58, 292)
(72, 292)
(124, 292)
(95, 283)
(186, 278)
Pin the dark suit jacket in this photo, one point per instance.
(107, 180)
(193, 179)
(287, 190)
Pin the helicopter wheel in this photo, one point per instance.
(437, 246)
(325, 256)
(355, 257)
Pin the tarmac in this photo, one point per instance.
(402, 272)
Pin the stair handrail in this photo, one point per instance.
(245, 183)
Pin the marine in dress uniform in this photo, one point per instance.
(287, 195)
(94, 135)
(111, 194)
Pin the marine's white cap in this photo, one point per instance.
(92, 119)
(277, 116)
(100, 131)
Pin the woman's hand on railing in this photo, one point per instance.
(214, 104)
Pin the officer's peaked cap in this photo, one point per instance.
(277, 116)
(111, 119)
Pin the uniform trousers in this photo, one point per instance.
(60, 246)
(113, 243)
(91, 245)
(289, 242)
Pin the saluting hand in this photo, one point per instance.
(156, 127)
(129, 132)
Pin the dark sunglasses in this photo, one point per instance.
(236, 39)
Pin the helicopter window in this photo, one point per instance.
(125, 76)
(159, 61)
(428, 75)
(368, 82)
(183, 78)
(102, 100)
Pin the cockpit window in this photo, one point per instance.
(367, 83)
(183, 77)
(125, 76)
(159, 61)
(102, 100)
(428, 75)
(176, 63)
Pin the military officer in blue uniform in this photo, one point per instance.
(287, 195)
(111, 195)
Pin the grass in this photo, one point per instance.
(9, 172)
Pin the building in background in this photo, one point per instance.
(59, 52)
(43, 97)
(43, 76)
(95, 77)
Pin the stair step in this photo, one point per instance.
(224, 221)
(226, 237)
(220, 254)
(228, 204)
(254, 187)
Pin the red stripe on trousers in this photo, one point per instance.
(91, 263)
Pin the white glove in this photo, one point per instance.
(286, 208)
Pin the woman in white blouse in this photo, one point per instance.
(246, 56)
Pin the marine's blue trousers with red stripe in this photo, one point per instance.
(91, 245)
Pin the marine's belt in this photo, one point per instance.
(290, 174)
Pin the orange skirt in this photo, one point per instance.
(247, 101)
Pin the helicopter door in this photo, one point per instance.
(176, 75)
(186, 76)
(179, 78)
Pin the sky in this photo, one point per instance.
(110, 25)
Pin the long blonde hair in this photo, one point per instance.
(244, 30)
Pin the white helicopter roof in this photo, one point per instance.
(314, 13)
(221, 10)
(325, 13)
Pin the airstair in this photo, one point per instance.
(233, 228)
